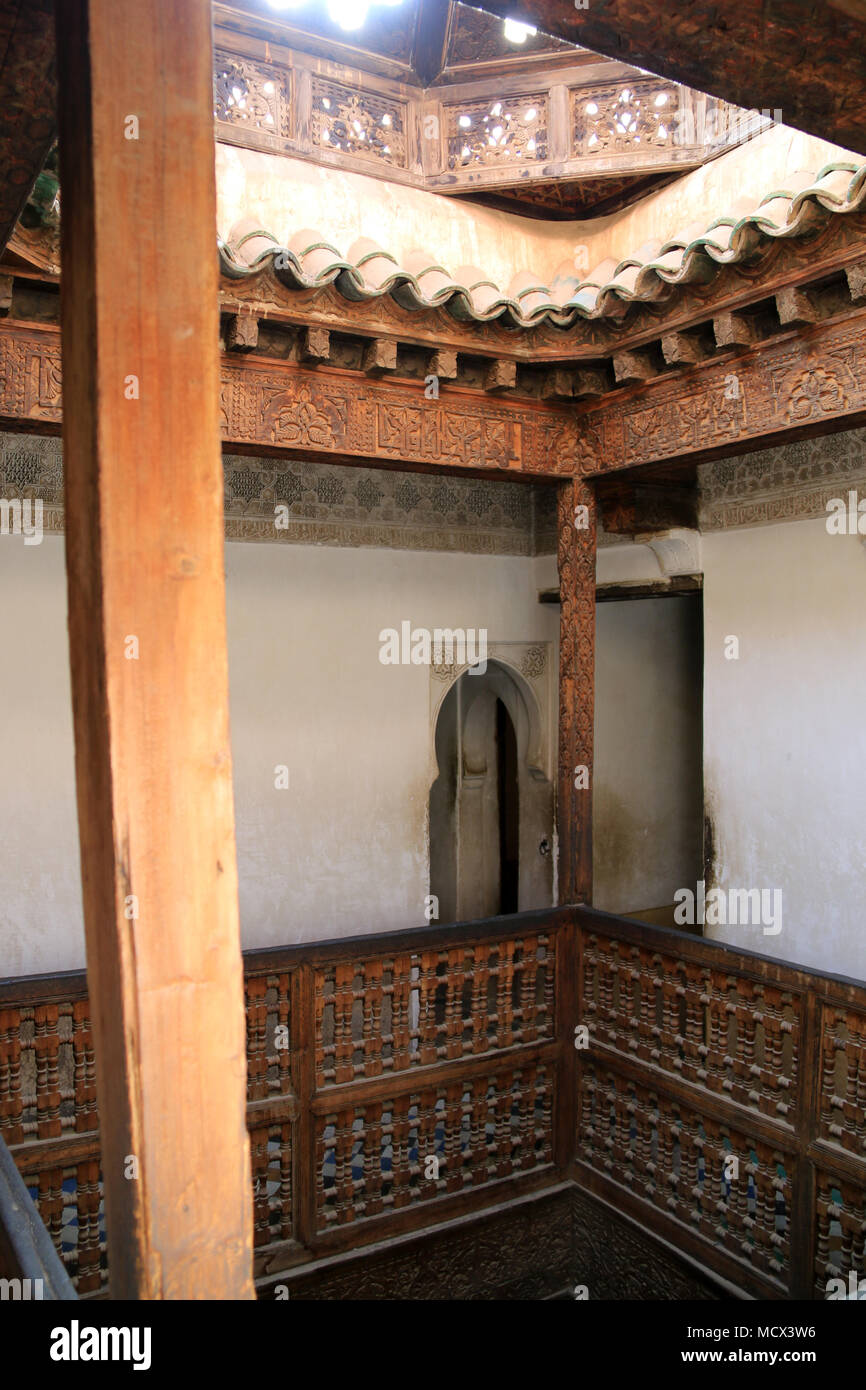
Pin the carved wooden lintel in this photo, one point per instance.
(314, 344)
(330, 413)
(799, 384)
(380, 355)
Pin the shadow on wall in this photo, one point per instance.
(648, 814)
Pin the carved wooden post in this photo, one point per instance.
(144, 553)
(576, 552)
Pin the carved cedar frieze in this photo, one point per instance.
(293, 409)
(318, 412)
(809, 381)
(814, 378)
(30, 375)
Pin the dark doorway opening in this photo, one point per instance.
(509, 811)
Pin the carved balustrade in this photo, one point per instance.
(722, 1102)
(391, 1080)
(397, 1081)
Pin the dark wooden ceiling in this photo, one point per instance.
(806, 58)
(569, 200)
(421, 42)
(27, 102)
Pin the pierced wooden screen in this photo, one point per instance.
(722, 1102)
(385, 1078)
(398, 1080)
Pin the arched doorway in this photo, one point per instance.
(491, 806)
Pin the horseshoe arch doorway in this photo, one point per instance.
(491, 804)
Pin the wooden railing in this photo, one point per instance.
(393, 1081)
(396, 1081)
(30, 1267)
(722, 1102)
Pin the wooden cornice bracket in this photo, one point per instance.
(314, 345)
(558, 385)
(242, 334)
(501, 375)
(683, 349)
(733, 330)
(590, 381)
(856, 277)
(5, 293)
(795, 308)
(443, 364)
(380, 355)
(630, 368)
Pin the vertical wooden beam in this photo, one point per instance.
(144, 551)
(576, 552)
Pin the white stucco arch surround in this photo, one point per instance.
(463, 805)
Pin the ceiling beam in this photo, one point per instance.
(431, 39)
(28, 119)
(806, 60)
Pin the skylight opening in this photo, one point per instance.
(347, 14)
(515, 32)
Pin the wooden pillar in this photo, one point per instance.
(576, 552)
(144, 551)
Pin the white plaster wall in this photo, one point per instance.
(343, 850)
(41, 926)
(785, 734)
(647, 807)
